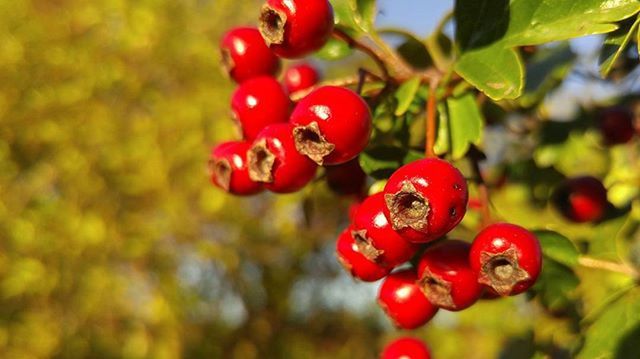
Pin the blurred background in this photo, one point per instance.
(113, 243)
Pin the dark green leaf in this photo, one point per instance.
(380, 162)
(616, 43)
(556, 286)
(545, 71)
(465, 124)
(558, 247)
(616, 332)
(406, 94)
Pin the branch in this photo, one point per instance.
(341, 82)
(373, 53)
(589, 262)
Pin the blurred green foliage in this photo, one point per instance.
(113, 244)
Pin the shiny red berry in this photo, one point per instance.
(406, 348)
(404, 302)
(259, 102)
(300, 77)
(581, 199)
(374, 236)
(347, 178)
(506, 258)
(354, 262)
(333, 125)
(426, 199)
(616, 125)
(274, 161)
(228, 168)
(245, 55)
(446, 277)
(296, 28)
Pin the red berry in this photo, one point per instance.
(426, 199)
(507, 258)
(296, 28)
(274, 161)
(245, 55)
(581, 199)
(347, 178)
(406, 348)
(228, 168)
(259, 102)
(616, 125)
(354, 262)
(300, 77)
(374, 236)
(446, 277)
(333, 125)
(404, 302)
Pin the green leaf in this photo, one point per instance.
(405, 95)
(616, 332)
(556, 286)
(355, 15)
(443, 140)
(333, 50)
(381, 161)
(535, 22)
(465, 124)
(545, 71)
(615, 44)
(367, 11)
(495, 70)
(558, 247)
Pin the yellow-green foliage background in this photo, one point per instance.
(112, 242)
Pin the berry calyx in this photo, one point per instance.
(245, 55)
(446, 277)
(274, 161)
(332, 125)
(355, 262)
(507, 258)
(228, 168)
(347, 178)
(374, 236)
(581, 199)
(616, 125)
(425, 199)
(406, 348)
(404, 302)
(259, 102)
(296, 28)
(300, 77)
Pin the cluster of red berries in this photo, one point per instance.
(282, 148)
(422, 202)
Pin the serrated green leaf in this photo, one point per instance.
(405, 95)
(616, 332)
(558, 247)
(556, 285)
(465, 124)
(494, 70)
(615, 44)
(535, 22)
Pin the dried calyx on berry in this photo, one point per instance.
(507, 258)
(228, 168)
(356, 263)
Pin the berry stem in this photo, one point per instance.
(483, 190)
(372, 52)
(594, 263)
(341, 82)
(431, 123)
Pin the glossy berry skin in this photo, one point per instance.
(228, 168)
(404, 302)
(616, 125)
(581, 199)
(406, 348)
(375, 237)
(347, 178)
(333, 125)
(354, 262)
(425, 199)
(296, 28)
(300, 77)
(446, 277)
(245, 55)
(259, 102)
(506, 258)
(274, 161)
